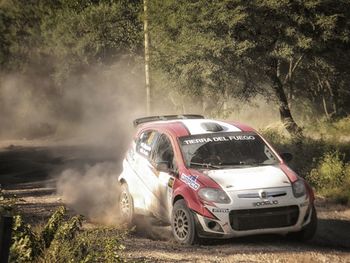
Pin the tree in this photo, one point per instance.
(244, 47)
(84, 33)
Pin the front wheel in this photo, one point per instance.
(183, 223)
(126, 205)
(309, 230)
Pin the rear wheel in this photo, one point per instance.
(309, 230)
(183, 223)
(126, 205)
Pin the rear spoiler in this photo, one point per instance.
(166, 118)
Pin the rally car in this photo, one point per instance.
(210, 178)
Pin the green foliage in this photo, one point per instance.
(331, 177)
(52, 225)
(26, 245)
(65, 235)
(283, 50)
(294, 53)
(330, 171)
(80, 35)
(63, 240)
(6, 203)
(61, 37)
(97, 245)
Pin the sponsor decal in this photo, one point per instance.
(221, 139)
(265, 203)
(242, 138)
(220, 210)
(145, 149)
(171, 182)
(190, 180)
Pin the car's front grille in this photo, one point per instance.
(261, 218)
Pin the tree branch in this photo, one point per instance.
(292, 68)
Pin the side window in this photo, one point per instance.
(164, 151)
(144, 143)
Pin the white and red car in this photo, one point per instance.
(210, 178)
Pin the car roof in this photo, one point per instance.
(186, 127)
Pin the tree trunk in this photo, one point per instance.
(325, 107)
(333, 91)
(147, 75)
(285, 113)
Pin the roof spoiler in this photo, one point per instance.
(166, 118)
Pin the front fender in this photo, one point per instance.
(191, 198)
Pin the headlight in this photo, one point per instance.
(214, 195)
(298, 188)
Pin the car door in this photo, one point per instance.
(145, 171)
(164, 154)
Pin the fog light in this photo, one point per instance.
(214, 226)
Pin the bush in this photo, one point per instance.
(96, 245)
(63, 240)
(331, 177)
(26, 245)
(52, 225)
(330, 171)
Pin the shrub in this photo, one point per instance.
(94, 245)
(331, 177)
(330, 171)
(26, 246)
(52, 225)
(63, 240)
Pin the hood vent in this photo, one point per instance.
(212, 127)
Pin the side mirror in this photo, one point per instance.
(287, 157)
(162, 166)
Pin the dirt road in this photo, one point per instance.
(30, 172)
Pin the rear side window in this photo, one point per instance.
(145, 142)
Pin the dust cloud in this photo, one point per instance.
(95, 106)
(85, 121)
(92, 192)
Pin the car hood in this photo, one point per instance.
(249, 177)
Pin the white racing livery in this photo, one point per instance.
(211, 178)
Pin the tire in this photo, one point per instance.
(308, 232)
(183, 224)
(126, 206)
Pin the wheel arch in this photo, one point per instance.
(178, 197)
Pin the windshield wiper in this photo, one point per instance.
(254, 163)
(206, 165)
(241, 163)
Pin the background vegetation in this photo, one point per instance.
(211, 57)
(61, 239)
(207, 56)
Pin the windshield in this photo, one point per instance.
(220, 150)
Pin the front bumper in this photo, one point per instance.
(248, 214)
